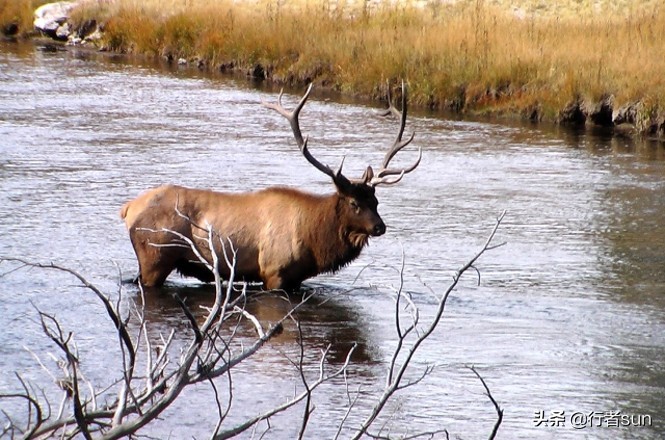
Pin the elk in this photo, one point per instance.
(281, 236)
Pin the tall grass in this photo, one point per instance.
(18, 14)
(475, 55)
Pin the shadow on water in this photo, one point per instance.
(324, 319)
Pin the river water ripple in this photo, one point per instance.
(568, 316)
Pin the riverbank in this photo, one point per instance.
(583, 64)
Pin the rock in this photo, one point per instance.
(639, 114)
(626, 130)
(87, 28)
(642, 117)
(63, 32)
(51, 19)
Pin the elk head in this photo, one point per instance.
(357, 202)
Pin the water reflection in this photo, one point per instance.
(634, 257)
(569, 315)
(324, 318)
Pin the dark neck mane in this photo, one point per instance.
(337, 245)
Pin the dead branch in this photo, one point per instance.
(396, 373)
(141, 399)
(499, 411)
(132, 400)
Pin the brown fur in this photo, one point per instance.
(283, 236)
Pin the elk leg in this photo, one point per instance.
(272, 281)
(275, 281)
(189, 268)
(154, 276)
(155, 264)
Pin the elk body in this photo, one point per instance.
(282, 236)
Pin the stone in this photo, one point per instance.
(257, 72)
(51, 19)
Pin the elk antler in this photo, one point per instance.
(292, 117)
(369, 177)
(380, 178)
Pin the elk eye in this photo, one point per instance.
(354, 206)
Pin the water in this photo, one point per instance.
(569, 315)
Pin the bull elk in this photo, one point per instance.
(282, 235)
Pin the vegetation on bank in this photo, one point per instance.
(16, 17)
(567, 64)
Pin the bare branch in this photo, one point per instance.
(209, 353)
(286, 405)
(33, 404)
(499, 411)
(394, 379)
(120, 327)
(252, 318)
(198, 337)
(301, 369)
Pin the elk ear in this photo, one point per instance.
(343, 185)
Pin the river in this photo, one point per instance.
(568, 316)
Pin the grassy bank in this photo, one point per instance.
(16, 17)
(531, 59)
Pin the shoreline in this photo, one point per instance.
(349, 56)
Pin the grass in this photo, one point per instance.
(529, 57)
(19, 15)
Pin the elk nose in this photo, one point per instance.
(379, 229)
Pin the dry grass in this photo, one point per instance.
(18, 13)
(480, 56)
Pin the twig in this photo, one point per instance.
(394, 379)
(301, 369)
(499, 411)
(208, 355)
